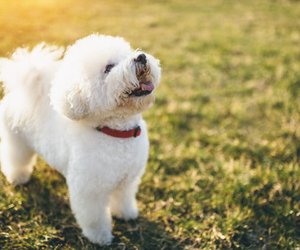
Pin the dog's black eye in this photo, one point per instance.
(108, 68)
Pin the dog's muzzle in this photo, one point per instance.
(142, 69)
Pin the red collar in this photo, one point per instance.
(135, 132)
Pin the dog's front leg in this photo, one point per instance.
(123, 202)
(91, 211)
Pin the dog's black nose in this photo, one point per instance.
(141, 58)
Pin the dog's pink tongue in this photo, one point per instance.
(147, 86)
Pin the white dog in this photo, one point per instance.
(82, 114)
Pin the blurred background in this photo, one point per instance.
(223, 171)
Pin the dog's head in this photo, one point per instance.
(102, 77)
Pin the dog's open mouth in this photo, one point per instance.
(144, 89)
(142, 69)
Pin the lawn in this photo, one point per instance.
(223, 171)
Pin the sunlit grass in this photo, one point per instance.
(224, 170)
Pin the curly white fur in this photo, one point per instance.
(52, 106)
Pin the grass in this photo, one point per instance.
(224, 169)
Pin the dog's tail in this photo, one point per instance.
(29, 69)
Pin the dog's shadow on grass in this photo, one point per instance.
(47, 200)
(269, 204)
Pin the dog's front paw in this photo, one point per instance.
(129, 212)
(101, 237)
(16, 177)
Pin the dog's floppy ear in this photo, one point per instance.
(69, 97)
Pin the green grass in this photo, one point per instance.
(224, 169)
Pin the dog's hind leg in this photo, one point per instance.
(17, 159)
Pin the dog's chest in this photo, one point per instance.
(130, 156)
(121, 159)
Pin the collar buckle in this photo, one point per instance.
(137, 131)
